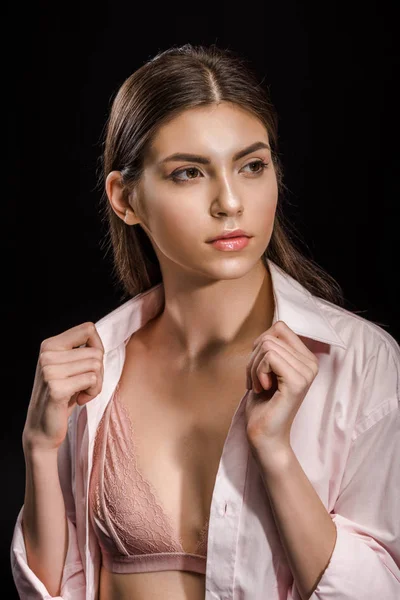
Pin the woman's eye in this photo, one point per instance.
(191, 171)
(258, 163)
(175, 174)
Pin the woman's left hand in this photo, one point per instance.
(281, 370)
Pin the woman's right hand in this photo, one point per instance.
(66, 375)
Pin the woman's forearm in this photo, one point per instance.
(306, 529)
(44, 521)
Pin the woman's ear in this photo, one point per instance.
(118, 198)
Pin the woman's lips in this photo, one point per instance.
(229, 244)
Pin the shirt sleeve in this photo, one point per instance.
(73, 584)
(365, 562)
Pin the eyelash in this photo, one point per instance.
(177, 180)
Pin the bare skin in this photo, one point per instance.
(197, 409)
(69, 371)
(209, 294)
(190, 362)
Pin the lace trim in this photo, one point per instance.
(132, 503)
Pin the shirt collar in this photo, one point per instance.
(298, 308)
(294, 305)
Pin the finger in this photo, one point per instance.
(85, 385)
(282, 332)
(249, 366)
(255, 383)
(271, 338)
(264, 341)
(259, 353)
(69, 369)
(50, 357)
(302, 366)
(270, 342)
(80, 335)
(291, 377)
(291, 355)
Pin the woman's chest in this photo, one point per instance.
(179, 423)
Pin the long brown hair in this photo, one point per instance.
(174, 80)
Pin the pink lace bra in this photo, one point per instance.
(135, 534)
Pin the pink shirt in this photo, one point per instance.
(346, 436)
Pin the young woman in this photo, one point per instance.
(230, 431)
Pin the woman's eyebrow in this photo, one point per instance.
(206, 161)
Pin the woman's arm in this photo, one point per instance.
(365, 562)
(45, 554)
(33, 532)
(306, 529)
(44, 521)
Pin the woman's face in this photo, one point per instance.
(189, 200)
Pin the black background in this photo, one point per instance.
(332, 70)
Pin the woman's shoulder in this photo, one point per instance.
(118, 324)
(357, 331)
(370, 364)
